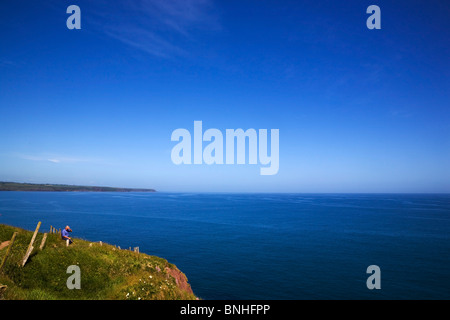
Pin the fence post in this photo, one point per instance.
(43, 241)
(8, 250)
(30, 246)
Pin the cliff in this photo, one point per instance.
(106, 272)
(16, 186)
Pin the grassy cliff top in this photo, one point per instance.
(106, 272)
(16, 186)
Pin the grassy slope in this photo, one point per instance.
(106, 272)
(16, 186)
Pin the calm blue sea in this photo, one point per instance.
(265, 246)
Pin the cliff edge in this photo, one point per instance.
(105, 271)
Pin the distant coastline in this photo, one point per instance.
(16, 186)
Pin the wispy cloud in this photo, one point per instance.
(7, 63)
(144, 40)
(179, 15)
(157, 27)
(55, 159)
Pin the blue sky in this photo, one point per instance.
(358, 110)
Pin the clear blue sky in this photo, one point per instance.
(358, 110)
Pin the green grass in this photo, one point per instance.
(16, 186)
(107, 273)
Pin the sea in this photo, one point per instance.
(266, 246)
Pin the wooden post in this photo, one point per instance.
(43, 241)
(51, 229)
(8, 250)
(2, 289)
(25, 258)
(30, 246)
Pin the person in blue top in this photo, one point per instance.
(65, 234)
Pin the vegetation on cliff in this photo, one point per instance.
(106, 272)
(16, 186)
